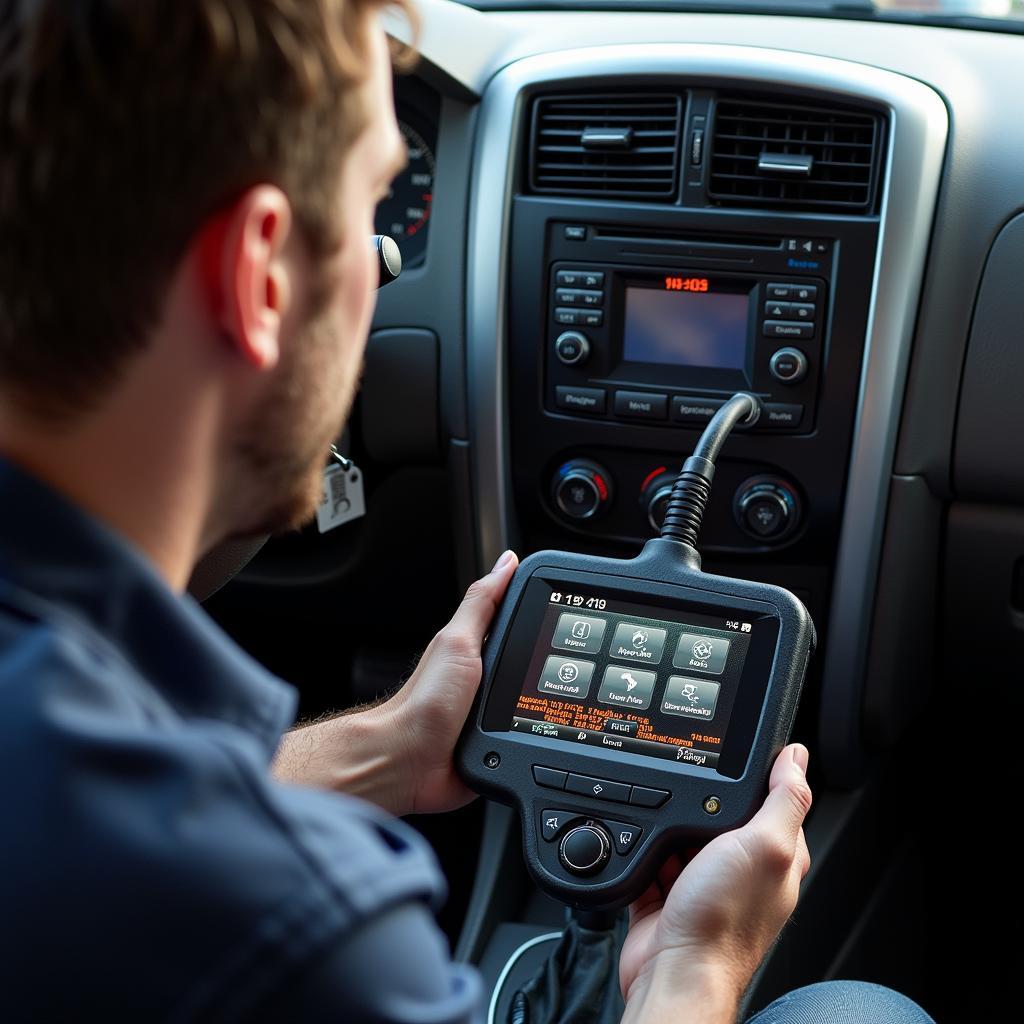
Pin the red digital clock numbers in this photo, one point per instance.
(686, 284)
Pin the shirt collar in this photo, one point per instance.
(54, 551)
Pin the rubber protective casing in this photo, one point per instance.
(681, 821)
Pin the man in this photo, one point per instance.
(187, 190)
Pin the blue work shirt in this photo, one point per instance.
(151, 868)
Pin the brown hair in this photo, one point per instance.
(124, 126)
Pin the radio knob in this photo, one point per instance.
(581, 489)
(767, 509)
(572, 348)
(585, 850)
(788, 366)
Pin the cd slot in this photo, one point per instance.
(662, 239)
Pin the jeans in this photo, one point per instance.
(842, 1002)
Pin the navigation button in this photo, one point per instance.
(551, 778)
(637, 642)
(566, 677)
(602, 789)
(552, 822)
(581, 399)
(579, 633)
(641, 405)
(644, 797)
(620, 726)
(704, 653)
(689, 698)
(687, 409)
(627, 687)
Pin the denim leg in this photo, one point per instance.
(842, 1002)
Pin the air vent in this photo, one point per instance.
(625, 145)
(797, 157)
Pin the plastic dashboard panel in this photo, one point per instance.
(919, 127)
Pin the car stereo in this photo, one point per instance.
(669, 345)
(632, 707)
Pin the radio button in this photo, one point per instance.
(778, 415)
(578, 297)
(644, 797)
(641, 405)
(787, 329)
(551, 778)
(788, 366)
(600, 789)
(581, 399)
(695, 410)
(568, 317)
(802, 310)
(569, 278)
(778, 310)
(591, 317)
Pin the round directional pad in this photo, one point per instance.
(585, 849)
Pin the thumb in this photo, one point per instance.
(789, 798)
(473, 617)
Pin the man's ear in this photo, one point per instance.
(246, 273)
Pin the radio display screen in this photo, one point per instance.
(685, 321)
(651, 679)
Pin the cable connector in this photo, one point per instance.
(692, 489)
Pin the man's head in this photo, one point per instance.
(193, 182)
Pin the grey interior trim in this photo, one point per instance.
(914, 164)
(506, 970)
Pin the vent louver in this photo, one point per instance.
(625, 145)
(793, 156)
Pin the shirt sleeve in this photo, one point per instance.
(394, 970)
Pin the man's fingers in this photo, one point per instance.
(463, 637)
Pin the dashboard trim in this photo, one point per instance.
(917, 142)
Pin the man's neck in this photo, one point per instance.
(138, 465)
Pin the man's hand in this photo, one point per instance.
(690, 955)
(399, 753)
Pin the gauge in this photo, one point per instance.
(405, 213)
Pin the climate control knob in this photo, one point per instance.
(572, 348)
(581, 489)
(585, 849)
(654, 497)
(767, 509)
